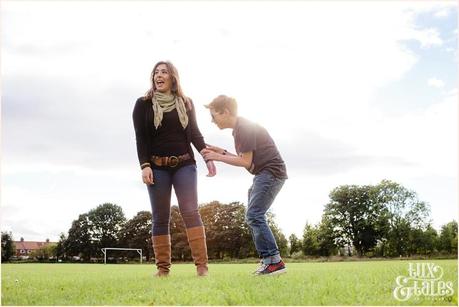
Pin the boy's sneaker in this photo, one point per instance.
(271, 269)
(261, 267)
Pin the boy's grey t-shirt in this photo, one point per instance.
(249, 136)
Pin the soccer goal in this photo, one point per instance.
(105, 249)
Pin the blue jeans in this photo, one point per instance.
(184, 180)
(261, 196)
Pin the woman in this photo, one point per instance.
(165, 125)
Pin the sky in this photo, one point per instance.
(351, 92)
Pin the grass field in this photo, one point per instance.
(327, 283)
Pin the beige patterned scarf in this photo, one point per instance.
(165, 103)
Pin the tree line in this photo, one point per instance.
(228, 236)
(384, 220)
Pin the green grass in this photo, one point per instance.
(329, 283)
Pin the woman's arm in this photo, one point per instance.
(141, 136)
(196, 137)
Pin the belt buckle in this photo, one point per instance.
(173, 161)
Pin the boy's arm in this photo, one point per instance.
(219, 150)
(243, 160)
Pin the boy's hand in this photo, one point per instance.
(215, 149)
(209, 154)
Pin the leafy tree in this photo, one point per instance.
(310, 240)
(45, 252)
(79, 239)
(8, 249)
(60, 247)
(422, 241)
(398, 238)
(354, 216)
(94, 230)
(430, 241)
(211, 220)
(295, 244)
(244, 242)
(227, 233)
(179, 240)
(400, 203)
(401, 213)
(136, 233)
(326, 238)
(281, 240)
(319, 240)
(448, 238)
(106, 222)
(385, 214)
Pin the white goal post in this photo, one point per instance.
(104, 250)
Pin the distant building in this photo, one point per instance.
(25, 248)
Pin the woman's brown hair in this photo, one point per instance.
(176, 87)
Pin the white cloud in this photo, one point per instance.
(442, 13)
(434, 82)
(426, 138)
(428, 38)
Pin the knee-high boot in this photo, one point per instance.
(162, 249)
(197, 240)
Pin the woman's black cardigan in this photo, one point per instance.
(145, 130)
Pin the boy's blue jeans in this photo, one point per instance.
(261, 196)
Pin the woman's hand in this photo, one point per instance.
(147, 175)
(209, 163)
(211, 168)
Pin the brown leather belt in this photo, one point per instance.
(171, 161)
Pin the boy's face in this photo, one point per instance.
(220, 119)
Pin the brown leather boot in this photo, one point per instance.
(162, 249)
(197, 240)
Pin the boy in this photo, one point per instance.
(256, 152)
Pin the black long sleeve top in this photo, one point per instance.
(145, 131)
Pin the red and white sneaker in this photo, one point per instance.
(271, 269)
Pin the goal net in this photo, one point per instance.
(106, 249)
